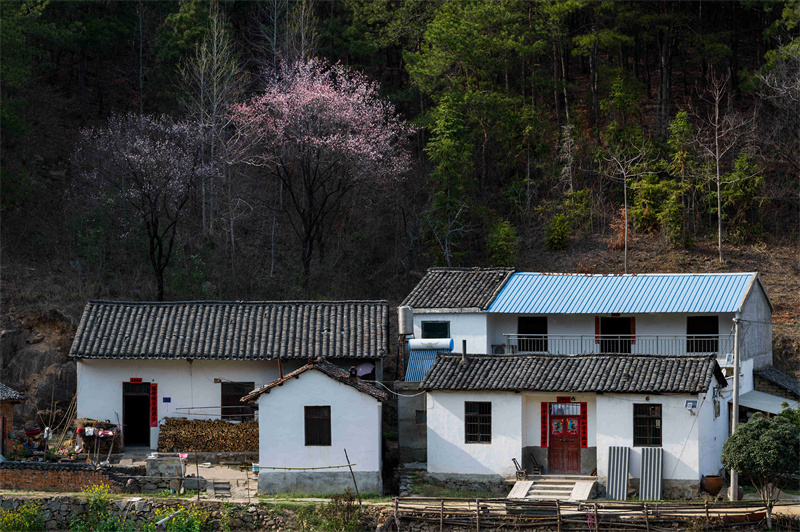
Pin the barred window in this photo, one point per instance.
(318, 425)
(478, 422)
(646, 425)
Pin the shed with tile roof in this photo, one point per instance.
(324, 410)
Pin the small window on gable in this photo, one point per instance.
(318, 425)
(702, 334)
(233, 408)
(421, 417)
(436, 329)
(478, 422)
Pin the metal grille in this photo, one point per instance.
(652, 468)
(646, 425)
(136, 388)
(478, 422)
(618, 462)
(318, 425)
(565, 409)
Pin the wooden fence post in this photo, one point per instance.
(646, 519)
(596, 524)
(558, 515)
(477, 514)
(441, 517)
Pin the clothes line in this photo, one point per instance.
(302, 468)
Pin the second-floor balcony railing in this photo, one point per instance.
(563, 344)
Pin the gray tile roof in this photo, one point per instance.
(233, 330)
(10, 394)
(580, 373)
(781, 379)
(454, 288)
(332, 371)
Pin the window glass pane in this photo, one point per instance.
(318, 425)
(421, 417)
(477, 422)
(436, 329)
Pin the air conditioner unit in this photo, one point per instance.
(499, 349)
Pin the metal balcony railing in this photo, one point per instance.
(564, 344)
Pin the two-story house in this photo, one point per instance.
(560, 368)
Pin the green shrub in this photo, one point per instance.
(502, 244)
(27, 517)
(341, 514)
(190, 519)
(557, 233)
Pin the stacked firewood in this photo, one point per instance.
(207, 435)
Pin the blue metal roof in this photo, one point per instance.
(419, 362)
(553, 293)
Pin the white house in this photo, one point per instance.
(328, 416)
(139, 363)
(562, 367)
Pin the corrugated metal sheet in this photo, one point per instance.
(618, 463)
(546, 293)
(652, 469)
(419, 362)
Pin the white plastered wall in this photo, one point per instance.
(680, 433)
(469, 326)
(447, 450)
(355, 425)
(756, 336)
(186, 384)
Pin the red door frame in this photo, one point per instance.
(564, 453)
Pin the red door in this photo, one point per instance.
(565, 445)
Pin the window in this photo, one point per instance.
(535, 327)
(232, 406)
(436, 329)
(421, 417)
(646, 425)
(702, 334)
(478, 422)
(318, 425)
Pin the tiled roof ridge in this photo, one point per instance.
(471, 269)
(331, 370)
(587, 355)
(247, 302)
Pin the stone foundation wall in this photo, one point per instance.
(57, 512)
(319, 482)
(491, 483)
(671, 489)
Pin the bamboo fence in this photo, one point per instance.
(488, 514)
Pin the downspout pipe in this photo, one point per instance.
(737, 364)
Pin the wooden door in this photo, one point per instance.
(565, 445)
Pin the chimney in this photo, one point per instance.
(353, 372)
(463, 353)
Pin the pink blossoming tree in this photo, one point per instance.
(148, 167)
(323, 131)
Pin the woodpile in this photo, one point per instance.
(207, 435)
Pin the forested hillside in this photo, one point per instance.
(301, 149)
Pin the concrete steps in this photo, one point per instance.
(219, 488)
(555, 487)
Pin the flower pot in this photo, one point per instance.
(712, 484)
